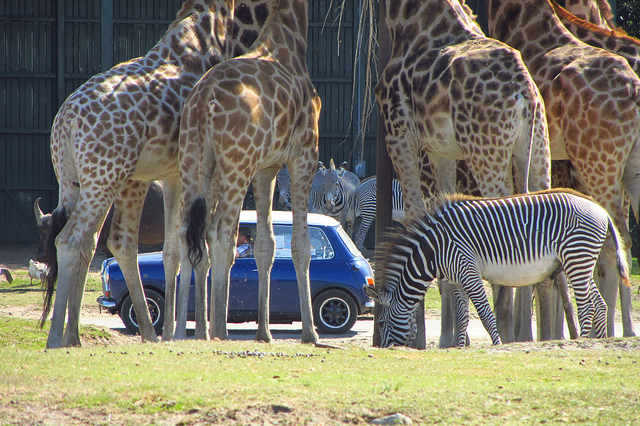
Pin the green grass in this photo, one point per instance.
(282, 383)
(26, 292)
(146, 383)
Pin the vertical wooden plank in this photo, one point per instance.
(106, 35)
(61, 48)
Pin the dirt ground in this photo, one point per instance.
(16, 256)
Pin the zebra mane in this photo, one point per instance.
(444, 200)
(393, 253)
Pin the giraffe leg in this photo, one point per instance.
(170, 254)
(625, 306)
(608, 280)
(221, 238)
(194, 260)
(302, 171)
(522, 314)
(447, 314)
(75, 245)
(544, 309)
(444, 174)
(264, 249)
(123, 243)
(74, 306)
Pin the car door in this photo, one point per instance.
(284, 284)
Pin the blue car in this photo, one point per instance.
(337, 272)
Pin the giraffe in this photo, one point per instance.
(245, 119)
(110, 138)
(449, 93)
(598, 12)
(592, 107)
(599, 34)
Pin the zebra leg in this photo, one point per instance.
(363, 228)
(461, 302)
(475, 289)
(563, 290)
(600, 312)
(580, 281)
(446, 314)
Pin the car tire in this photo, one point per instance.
(334, 312)
(155, 302)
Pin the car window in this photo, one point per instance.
(244, 243)
(348, 242)
(321, 248)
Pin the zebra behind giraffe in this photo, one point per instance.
(509, 241)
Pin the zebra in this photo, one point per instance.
(365, 206)
(511, 241)
(338, 193)
(283, 185)
(332, 192)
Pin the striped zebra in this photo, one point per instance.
(510, 241)
(365, 206)
(339, 194)
(283, 186)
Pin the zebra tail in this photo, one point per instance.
(50, 258)
(621, 258)
(195, 231)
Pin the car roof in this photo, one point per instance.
(285, 218)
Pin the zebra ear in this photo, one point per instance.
(376, 295)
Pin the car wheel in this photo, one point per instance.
(155, 302)
(334, 312)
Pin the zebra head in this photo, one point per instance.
(396, 321)
(283, 182)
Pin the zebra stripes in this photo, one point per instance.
(365, 206)
(332, 192)
(511, 241)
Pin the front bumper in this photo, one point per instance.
(106, 302)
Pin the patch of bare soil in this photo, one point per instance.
(16, 257)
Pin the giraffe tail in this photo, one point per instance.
(50, 258)
(621, 258)
(196, 230)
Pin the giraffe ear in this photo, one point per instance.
(376, 295)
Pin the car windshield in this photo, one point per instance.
(321, 248)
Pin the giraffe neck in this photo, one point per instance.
(597, 12)
(530, 26)
(437, 22)
(196, 40)
(285, 33)
(613, 40)
(250, 18)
